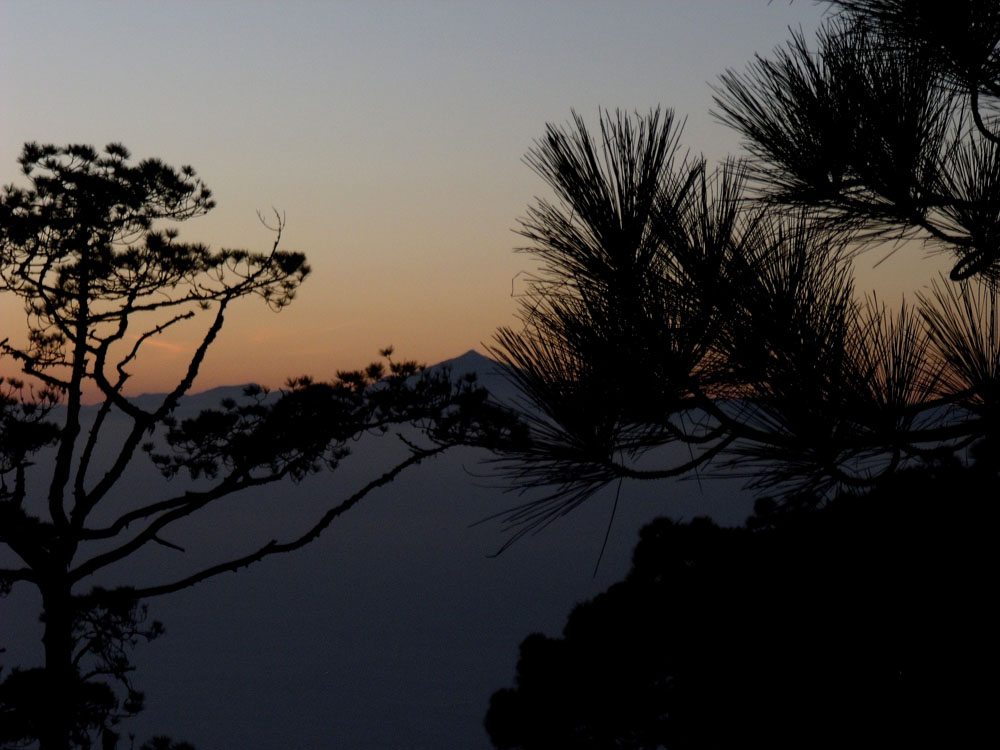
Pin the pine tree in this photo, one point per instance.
(100, 281)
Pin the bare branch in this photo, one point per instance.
(274, 547)
(185, 505)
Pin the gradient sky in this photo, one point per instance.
(390, 133)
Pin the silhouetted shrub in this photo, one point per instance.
(866, 622)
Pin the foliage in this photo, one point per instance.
(861, 623)
(82, 247)
(687, 319)
(889, 128)
(106, 626)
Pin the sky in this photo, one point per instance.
(391, 135)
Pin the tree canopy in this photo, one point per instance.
(859, 624)
(694, 319)
(887, 128)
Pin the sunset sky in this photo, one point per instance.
(391, 134)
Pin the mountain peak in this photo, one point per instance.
(471, 361)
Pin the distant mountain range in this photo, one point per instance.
(488, 372)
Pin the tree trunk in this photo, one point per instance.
(56, 731)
